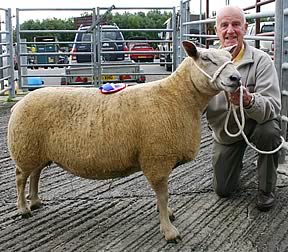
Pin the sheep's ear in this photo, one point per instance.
(190, 48)
(230, 49)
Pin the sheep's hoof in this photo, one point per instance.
(35, 206)
(176, 240)
(171, 233)
(26, 214)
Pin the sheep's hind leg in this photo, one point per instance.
(21, 180)
(159, 184)
(35, 201)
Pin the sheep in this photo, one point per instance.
(149, 127)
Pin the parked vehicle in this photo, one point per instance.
(114, 67)
(128, 71)
(146, 52)
(108, 44)
(47, 45)
(266, 29)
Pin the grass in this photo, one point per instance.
(10, 99)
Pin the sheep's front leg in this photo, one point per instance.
(21, 180)
(169, 231)
(170, 212)
(159, 184)
(35, 201)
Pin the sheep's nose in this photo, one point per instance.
(235, 78)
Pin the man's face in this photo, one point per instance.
(231, 28)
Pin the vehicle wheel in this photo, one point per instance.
(16, 66)
(141, 80)
(168, 67)
(63, 81)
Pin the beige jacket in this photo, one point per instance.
(260, 77)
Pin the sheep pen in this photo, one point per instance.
(149, 127)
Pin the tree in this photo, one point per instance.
(153, 19)
(48, 24)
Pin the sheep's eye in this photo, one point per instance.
(205, 58)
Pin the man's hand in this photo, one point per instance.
(235, 97)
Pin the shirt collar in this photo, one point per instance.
(240, 55)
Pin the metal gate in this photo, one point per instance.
(6, 53)
(97, 68)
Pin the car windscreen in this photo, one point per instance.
(86, 37)
(267, 28)
(111, 35)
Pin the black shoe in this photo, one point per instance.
(265, 200)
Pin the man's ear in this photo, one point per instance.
(190, 49)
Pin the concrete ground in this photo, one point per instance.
(120, 215)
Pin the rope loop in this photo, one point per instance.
(242, 125)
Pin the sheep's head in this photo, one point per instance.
(216, 63)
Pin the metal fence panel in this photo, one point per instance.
(6, 54)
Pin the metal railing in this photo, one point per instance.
(42, 59)
(97, 68)
(281, 61)
(6, 54)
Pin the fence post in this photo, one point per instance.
(284, 78)
(23, 60)
(281, 46)
(17, 49)
(182, 30)
(9, 38)
(1, 60)
(175, 39)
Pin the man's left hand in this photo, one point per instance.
(235, 97)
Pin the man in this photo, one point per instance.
(262, 104)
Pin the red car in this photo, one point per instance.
(142, 47)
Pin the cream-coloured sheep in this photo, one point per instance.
(148, 127)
